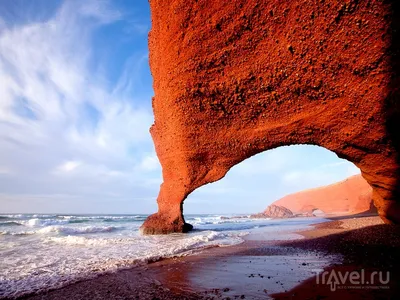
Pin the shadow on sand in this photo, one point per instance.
(372, 249)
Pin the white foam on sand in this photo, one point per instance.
(63, 229)
(59, 260)
(46, 252)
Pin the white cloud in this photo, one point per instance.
(266, 163)
(4, 170)
(335, 164)
(58, 115)
(319, 176)
(100, 10)
(150, 163)
(311, 177)
(68, 166)
(352, 170)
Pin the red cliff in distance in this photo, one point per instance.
(352, 195)
(236, 78)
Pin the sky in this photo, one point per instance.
(75, 112)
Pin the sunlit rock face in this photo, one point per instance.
(350, 196)
(235, 78)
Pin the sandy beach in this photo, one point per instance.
(257, 269)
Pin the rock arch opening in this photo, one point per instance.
(288, 176)
(294, 174)
(238, 78)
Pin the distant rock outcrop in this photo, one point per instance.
(352, 195)
(275, 212)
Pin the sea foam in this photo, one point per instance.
(67, 259)
(42, 252)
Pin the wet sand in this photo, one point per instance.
(259, 269)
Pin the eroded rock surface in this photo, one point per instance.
(275, 212)
(235, 78)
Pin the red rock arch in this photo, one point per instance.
(235, 78)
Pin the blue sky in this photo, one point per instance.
(75, 110)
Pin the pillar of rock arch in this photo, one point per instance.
(235, 78)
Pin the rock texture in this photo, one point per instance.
(275, 212)
(235, 78)
(352, 195)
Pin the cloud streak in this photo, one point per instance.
(59, 117)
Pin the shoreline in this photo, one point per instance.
(258, 269)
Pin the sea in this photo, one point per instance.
(39, 252)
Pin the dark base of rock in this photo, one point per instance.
(159, 224)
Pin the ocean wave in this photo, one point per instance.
(219, 220)
(189, 242)
(36, 222)
(80, 240)
(120, 220)
(64, 230)
(221, 223)
(116, 254)
(100, 217)
(11, 216)
(58, 255)
(207, 238)
(78, 230)
(85, 241)
(10, 223)
(78, 221)
(16, 233)
(43, 216)
(103, 218)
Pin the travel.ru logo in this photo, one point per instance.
(359, 279)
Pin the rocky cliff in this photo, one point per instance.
(353, 195)
(275, 212)
(236, 78)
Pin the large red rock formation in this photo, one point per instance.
(235, 78)
(352, 195)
